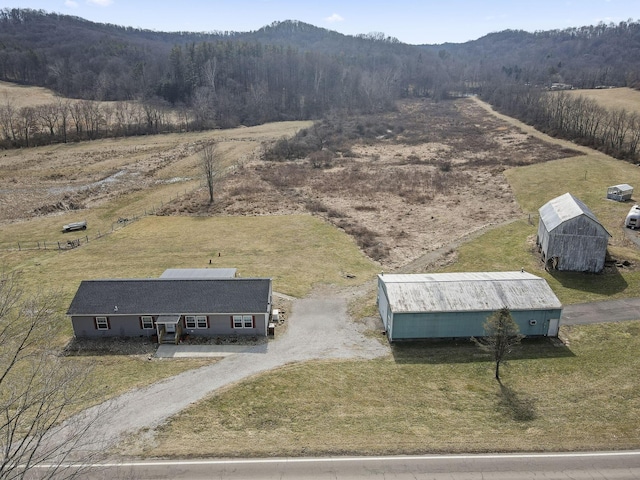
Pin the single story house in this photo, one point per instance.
(570, 237)
(620, 193)
(171, 307)
(456, 305)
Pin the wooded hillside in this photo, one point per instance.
(291, 70)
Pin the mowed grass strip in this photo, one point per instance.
(297, 251)
(428, 398)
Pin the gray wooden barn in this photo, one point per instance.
(620, 193)
(570, 237)
(456, 305)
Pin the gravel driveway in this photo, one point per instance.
(318, 328)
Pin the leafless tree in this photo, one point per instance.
(210, 168)
(38, 389)
(501, 334)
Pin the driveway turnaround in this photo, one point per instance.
(318, 328)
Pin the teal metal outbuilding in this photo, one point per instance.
(456, 305)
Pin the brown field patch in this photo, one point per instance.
(399, 196)
(436, 179)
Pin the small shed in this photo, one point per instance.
(570, 237)
(620, 193)
(456, 305)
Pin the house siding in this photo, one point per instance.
(129, 326)
(119, 326)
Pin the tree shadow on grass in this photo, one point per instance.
(465, 351)
(519, 407)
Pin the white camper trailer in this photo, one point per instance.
(633, 218)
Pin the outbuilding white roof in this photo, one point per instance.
(563, 208)
(198, 273)
(469, 291)
(623, 187)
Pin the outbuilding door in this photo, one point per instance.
(554, 326)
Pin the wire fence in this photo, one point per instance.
(75, 239)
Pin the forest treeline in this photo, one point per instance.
(285, 71)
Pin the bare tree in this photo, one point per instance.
(38, 389)
(501, 335)
(210, 168)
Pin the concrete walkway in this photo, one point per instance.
(183, 351)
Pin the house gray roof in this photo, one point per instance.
(469, 291)
(565, 207)
(171, 296)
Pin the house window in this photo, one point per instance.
(146, 322)
(196, 321)
(242, 321)
(102, 323)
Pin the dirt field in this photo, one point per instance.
(400, 195)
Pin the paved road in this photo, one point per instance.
(597, 312)
(574, 466)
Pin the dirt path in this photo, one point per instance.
(529, 130)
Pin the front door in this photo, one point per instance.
(171, 328)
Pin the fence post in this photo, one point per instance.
(87, 237)
(59, 246)
(19, 246)
(45, 245)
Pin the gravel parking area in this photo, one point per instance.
(318, 327)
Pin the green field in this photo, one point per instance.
(428, 398)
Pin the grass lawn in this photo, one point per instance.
(429, 398)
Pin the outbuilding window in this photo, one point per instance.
(102, 323)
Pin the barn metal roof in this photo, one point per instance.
(198, 273)
(563, 208)
(470, 291)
